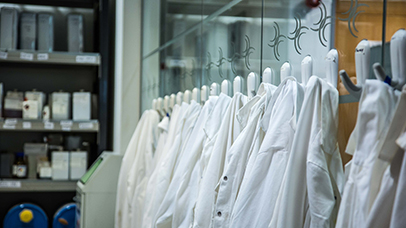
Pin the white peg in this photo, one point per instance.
(154, 104)
(159, 104)
(252, 84)
(196, 95)
(269, 76)
(362, 61)
(179, 98)
(204, 95)
(398, 58)
(214, 89)
(238, 84)
(286, 71)
(166, 104)
(172, 102)
(226, 87)
(307, 69)
(332, 67)
(187, 96)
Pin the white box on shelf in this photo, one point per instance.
(60, 165)
(45, 32)
(38, 96)
(60, 105)
(8, 28)
(28, 31)
(82, 105)
(30, 110)
(77, 164)
(75, 33)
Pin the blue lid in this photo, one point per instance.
(13, 220)
(20, 154)
(65, 216)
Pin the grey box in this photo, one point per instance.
(61, 106)
(6, 162)
(82, 105)
(45, 32)
(28, 31)
(8, 28)
(75, 33)
(33, 151)
(1, 100)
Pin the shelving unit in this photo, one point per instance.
(27, 185)
(68, 58)
(48, 72)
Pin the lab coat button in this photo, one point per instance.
(225, 178)
(219, 213)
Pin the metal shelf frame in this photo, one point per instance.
(57, 3)
(36, 185)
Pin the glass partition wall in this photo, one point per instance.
(190, 43)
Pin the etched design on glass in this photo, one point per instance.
(276, 41)
(352, 15)
(322, 24)
(297, 33)
(244, 55)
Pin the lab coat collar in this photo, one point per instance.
(164, 124)
(397, 126)
(289, 81)
(216, 116)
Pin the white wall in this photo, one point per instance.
(127, 71)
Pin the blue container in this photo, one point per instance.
(65, 216)
(25, 216)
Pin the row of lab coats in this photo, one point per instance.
(269, 161)
(374, 194)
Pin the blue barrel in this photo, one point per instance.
(25, 216)
(65, 216)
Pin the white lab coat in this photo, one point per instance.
(229, 131)
(187, 192)
(137, 202)
(246, 144)
(128, 159)
(398, 219)
(151, 203)
(310, 191)
(189, 114)
(376, 109)
(390, 158)
(192, 147)
(260, 187)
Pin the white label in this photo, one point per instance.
(21, 170)
(65, 128)
(85, 59)
(10, 184)
(27, 56)
(48, 125)
(66, 123)
(27, 125)
(10, 121)
(85, 125)
(7, 126)
(42, 56)
(3, 55)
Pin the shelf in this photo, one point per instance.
(68, 58)
(36, 185)
(61, 3)
(49, 126)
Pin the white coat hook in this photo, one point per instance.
(306, 69)
(238, 84)
(269, 76)
(159, 104)
(252, 84)
(286, 71)
(196, 95)
(179, 98)
(167, 104)
(398, 58)
(226, 87)
(172, 102)
(362, 64)
(214, 89)
(187, 96)
(154, 104)
(204, 94)
(332, 67)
